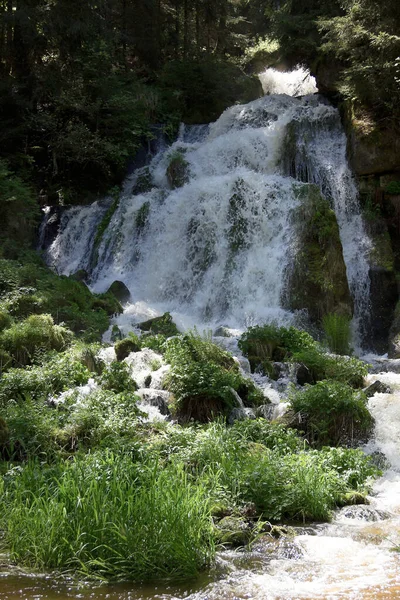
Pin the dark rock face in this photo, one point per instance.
(384, 296)
(120, 291)
(51, 226)
(318, 280)
(178, 171)
(377, 387)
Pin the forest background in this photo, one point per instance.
(82, 82)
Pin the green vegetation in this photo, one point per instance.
(337, 333)
(266, 343)
(163, 325)
(28, 288)
(204, 379)
(331, 413)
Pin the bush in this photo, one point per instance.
(101, 417)
(325, 366)
(265, 343)
(337, 333)
(26, 340)
(202, 378)
(117, 378)
(129, 523)
(57, 373)
(331, 413)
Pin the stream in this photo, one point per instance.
(350, 558)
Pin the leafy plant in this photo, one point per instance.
(331, 413)
(337, 333)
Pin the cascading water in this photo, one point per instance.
(218, 248)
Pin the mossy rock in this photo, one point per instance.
(116, 334)
(318, 281)
(234, 531)
(80, 275)
(120, 291)
(124, 347)
(177, 171)
(160, 325)
(352, 498)
(143, 182)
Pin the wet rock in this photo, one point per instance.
(120, 291)
(235, 531)
(351, 498)
(143, 182)
(116, 334)
(222, 331)
(157, 398)
(125, 347)
(384, 323)
(240, 414)
(364, 513)
(377, 388)
(80, 275)
(177, 171)
(141, 365)
(265, 411)
(303, 375)
(318, 280)
(160, 325)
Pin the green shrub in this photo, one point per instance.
(116, 378)
(101, 417)
(331, 413)
(124, 347)
(128, 523)
(271, 435)
(322, 366)
(154, 342)
(265, 343)
(202, 377)
(34, 335)
(57, 373)
(337, 333)
(5, 320)
(33, 428)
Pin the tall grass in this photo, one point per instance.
(104, 516)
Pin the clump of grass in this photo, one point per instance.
(265, 343)
(337, 333)
(322, 366)
(37, 332)
(204, 377)
(331, 413)
(104, 517)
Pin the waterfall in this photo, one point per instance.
(218, 248)
(298, 82)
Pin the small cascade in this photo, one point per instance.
(217, 245)
(298, 82)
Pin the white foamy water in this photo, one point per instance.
(220, 248)
(298, 82)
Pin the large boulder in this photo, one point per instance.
(317, 281)
(119, 290)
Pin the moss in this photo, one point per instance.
(160, 325)
(143, 182)
(318, 281)
(238, 226)
(177, 170)
(142, 216)
(381, 255)
(124, 347)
